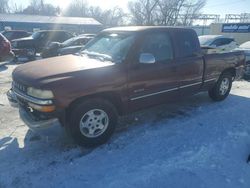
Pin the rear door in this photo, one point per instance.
(189, 60)
(151, 84)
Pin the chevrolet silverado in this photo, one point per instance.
(120, 71)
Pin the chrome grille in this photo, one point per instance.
(19, 87)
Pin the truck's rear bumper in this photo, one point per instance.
(48, 127)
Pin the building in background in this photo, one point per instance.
(201, 30)
(239, 31)
(34, 22)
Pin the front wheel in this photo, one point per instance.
(92, 122)
(222, 88)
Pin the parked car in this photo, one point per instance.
(29, 46)
(5, 49)
(246, 48)
(218, 43)
(69, 46)
(120, 71)
(15, 34)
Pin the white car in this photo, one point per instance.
(219, 43)
(246, 48)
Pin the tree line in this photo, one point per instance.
(141, 12)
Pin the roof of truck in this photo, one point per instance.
(144, 28)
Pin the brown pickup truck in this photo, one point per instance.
(120, 71)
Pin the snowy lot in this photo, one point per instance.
(196, 143)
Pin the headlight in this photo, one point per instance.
(41, 94)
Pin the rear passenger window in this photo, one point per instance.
(159, 45)
(187, 43)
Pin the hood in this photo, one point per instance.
(52, 69)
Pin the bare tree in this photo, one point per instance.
(38, 7)
(164, 12)
(77, 8)
(143, 11)
(168, 11)
(4, 6)
(191, 11)
(111, 17)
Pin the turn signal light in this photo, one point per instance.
(42, 108)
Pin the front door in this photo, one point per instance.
(153, 83)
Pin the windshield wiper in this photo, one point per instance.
(102, 57)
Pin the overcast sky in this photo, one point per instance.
(221, 7)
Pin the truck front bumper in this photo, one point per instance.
(50, 127)
(47, 127)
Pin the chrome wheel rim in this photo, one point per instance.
(94, 123)
(224, 86)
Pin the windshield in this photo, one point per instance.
(245, 45)
(205, 40)
(109, 46)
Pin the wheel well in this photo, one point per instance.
(109, 96)
(231, 70)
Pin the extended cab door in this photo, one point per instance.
(189, 60)
(150, 84)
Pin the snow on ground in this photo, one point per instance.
(194, 143)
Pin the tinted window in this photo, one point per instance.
(60, 36)
(222, 41)
(187, 43)
(8, 35)
(21, 34)
(158, 44)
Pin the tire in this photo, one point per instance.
(219, 92)
(92, 122)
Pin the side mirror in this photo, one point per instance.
(147, 58)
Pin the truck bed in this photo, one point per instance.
(215, 63)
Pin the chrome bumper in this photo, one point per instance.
(12, 99)
(44, 127)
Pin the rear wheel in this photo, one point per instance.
(92, 122)
(222, 87)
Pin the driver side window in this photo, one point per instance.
(159, 45)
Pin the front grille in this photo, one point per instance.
(19, 87)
